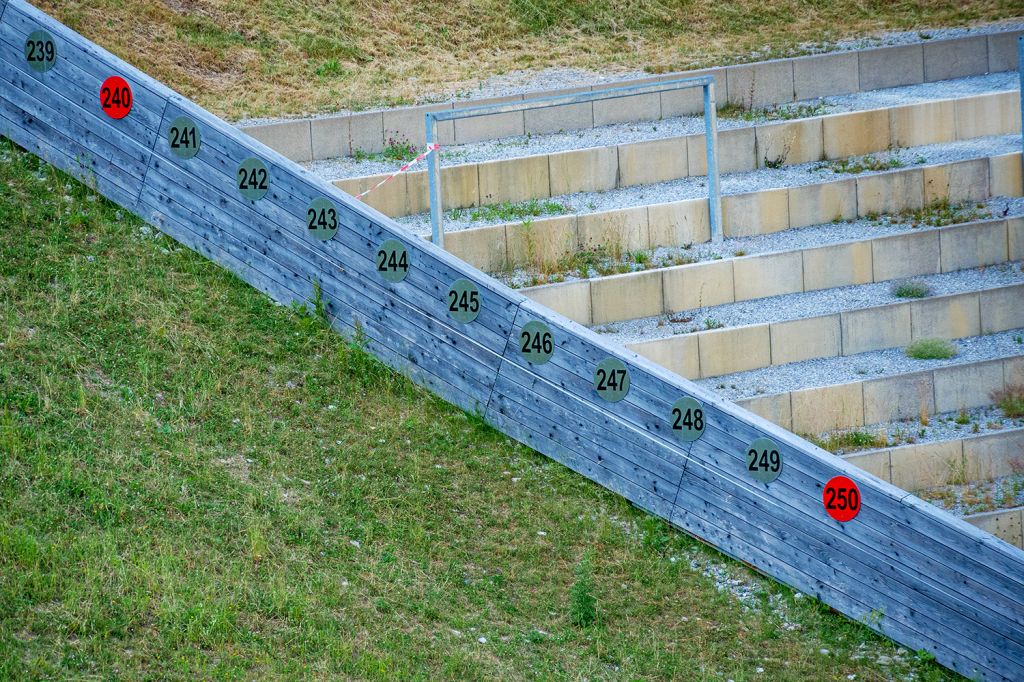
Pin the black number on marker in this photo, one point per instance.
(691, 419)
(41, 51)
(184, 138)
(116, 98)
(540, 343)
(324, 219)
(765, 461)
(390, 261)
(615, 380)
(255, 179)
(464, 302)
(842, 498)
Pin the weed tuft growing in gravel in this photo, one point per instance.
(1010, 400)
(911, 289)
(931, 349)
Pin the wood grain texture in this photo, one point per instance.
(904, 567)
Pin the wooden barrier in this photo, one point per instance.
(903, 567)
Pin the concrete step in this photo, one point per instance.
(567, 163)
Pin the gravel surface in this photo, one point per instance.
(775, 242)
(741, 183)
(861, 367)
(806, 304)
(537, 81)
(977, 497)
(511, 147)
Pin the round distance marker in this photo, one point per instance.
(322, 219)
(184, 138)
(611, 379)
(40, 51)
(687, 419)
(253, 179)
(841, 498)
(464, 301)
(392, 260)
(116, 97)
(536, 343)
(764, 460)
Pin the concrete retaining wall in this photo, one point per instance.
(1005, 524)
(738, 349)
(902, 396)
(759, 84)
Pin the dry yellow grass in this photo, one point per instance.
(289, 57)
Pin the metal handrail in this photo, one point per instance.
(707, 83)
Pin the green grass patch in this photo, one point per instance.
(861, 164)
(911, 290)
(931, 349)
(1010, 400)
(196, 483)
(510, 211)
(849, 441)
(735, 111)
(941, 213)
(395, 150)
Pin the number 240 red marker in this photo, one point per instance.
(116, 97)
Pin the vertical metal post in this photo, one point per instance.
(711, 149)
(434, 176)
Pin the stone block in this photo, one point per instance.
(994, 455)
(408, 125)
(891, 67)
(330, 137)
(867, 329)
(389, 199)
(875, 463)
(691, 100)
(1005, 524)
(926, 465)
(812, 337)
(736, 151)
(964, 387)
(1004, 175)
(789, 143)
(921, 123)
(996, 113)
(366, 132)
(756, 86)
(821, 75)
(955, 58)
(688, 287)
(855, 133)
(291, 139)
(644, 163)
(766, 275)
(1015, 238)
(627, 109)
(956, 182)
(1002, 51)
(583, 170)
(945, 317)
(677, 354)
(627, 297)
(563, 117)
(481, 247)
(518, 179)
(902, 396)
(571, 299)
(746, 215)
(618, 230)
(837, 265)
(822, 203)
(827, 408)
(460, 188)
(973, 245)
(679, 223)
(540, 243)
(1002, 309)
(1013, 371)
(890, 192)
(734, 349)
(775, 408)
(906, 255)
(490, 126)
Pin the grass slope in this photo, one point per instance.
(196, 484)
(275, 57)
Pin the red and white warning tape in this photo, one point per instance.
(430, 149)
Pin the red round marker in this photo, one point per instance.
(116, 97)
(841, 498)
